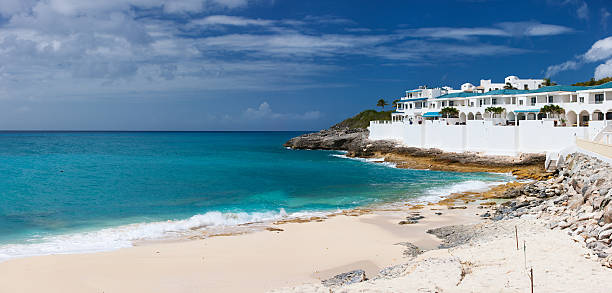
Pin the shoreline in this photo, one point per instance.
(296, 255)
(263, 257)
(273, 217)
(381, 218)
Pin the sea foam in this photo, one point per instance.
(380, 161)
(125, 236)
(437, 193)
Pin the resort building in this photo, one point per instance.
(487, 112)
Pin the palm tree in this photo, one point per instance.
(547, 82)
(495, 110)
(552, 109)
(394, 104)
(382, 103)
(449, 112)
(509, 86)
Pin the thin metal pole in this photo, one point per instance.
(516, 236)
(531, 279)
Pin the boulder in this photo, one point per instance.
(347, 278)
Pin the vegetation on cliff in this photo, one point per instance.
(362, 120)
(593, 82)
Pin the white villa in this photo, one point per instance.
(587, 114)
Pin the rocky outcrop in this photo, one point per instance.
(577, 200)
(356, 143)
(330, 139)
(351, 277)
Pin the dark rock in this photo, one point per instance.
(332, 139)
(453, 235)
(411, 249)
(486, 215)
(351, 277)
(407, 222)
(414, 218)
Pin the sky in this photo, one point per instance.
(273, 64)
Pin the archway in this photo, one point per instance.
(583, 118)
(597, 115)
(487, 115)
(511, 116)
(531, 116)
(462, 118)
(572, 118)
(478, 116)
(470, 116)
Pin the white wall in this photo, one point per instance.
(531, 136)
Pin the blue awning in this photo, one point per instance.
(528, 111)
(432, 114)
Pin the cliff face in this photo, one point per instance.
(343, 139)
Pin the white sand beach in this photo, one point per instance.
(254, 262)
(303, 254)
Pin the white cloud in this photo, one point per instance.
(605, 14)
(504, 29)
(231, 20)
(583, 11)
(604, 70)
(264, 111)
(599, 51)
(555, 69)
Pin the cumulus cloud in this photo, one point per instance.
(604, 70)
(264, 111)
(599, 51)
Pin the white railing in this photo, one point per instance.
(381, 122)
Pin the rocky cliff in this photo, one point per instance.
(578, 199)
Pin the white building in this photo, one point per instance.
(522, 84)
(417, 121)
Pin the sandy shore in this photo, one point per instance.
(492, 263)
(254, 262)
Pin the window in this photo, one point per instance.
(480, 102)
(550, 99)
(443, 104)
(526, 87)
(410, 105)
(599, 98)
(533, 101)
(581, 99)
(451, 103)
(496, 88)
(494, 101)
(520, 102)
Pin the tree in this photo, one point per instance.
(395, 103)
(509, 86)
(495, 110)
(382, 103)
(547, 82)
(449, 112)
(593, 82)
(552, 109)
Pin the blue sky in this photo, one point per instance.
(273, 64)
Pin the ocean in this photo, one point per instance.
(73, 192)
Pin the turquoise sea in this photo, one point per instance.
(67, 192)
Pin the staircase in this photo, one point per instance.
(604, 136)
